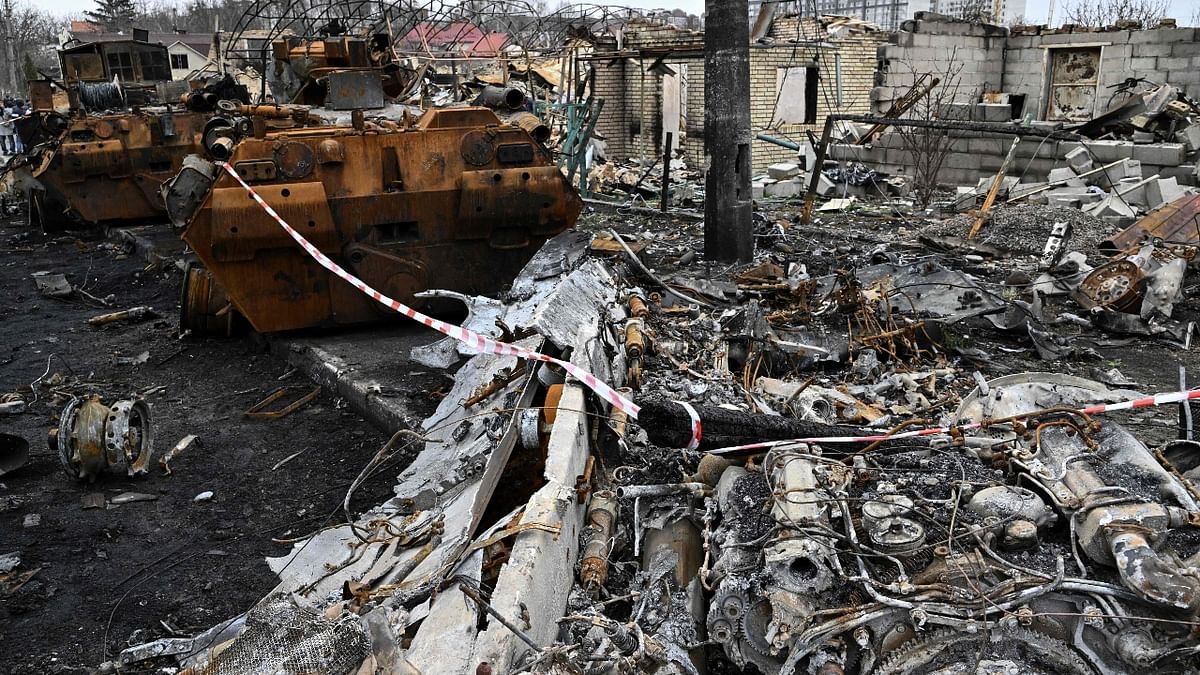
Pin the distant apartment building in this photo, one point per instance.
(887, 14)
(1001, 13)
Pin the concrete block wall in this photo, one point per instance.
(1170, 55)
(1017, 64)
(978, 155)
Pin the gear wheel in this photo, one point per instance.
(951, 652)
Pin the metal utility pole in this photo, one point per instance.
(727, 197)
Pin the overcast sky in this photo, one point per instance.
(1035, 9)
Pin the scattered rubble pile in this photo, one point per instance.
(774, 505)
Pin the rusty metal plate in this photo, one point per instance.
(354, 90)
(479, 148)
(256, 171)
(295, 160)
(530, 196)
(1175, 223)
(245, 228)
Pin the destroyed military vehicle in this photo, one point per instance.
(101, 160)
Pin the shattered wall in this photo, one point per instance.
(969, 58)
(993, 60)
(631, 81)
(974, 61)
(846, 69)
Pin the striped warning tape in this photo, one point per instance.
(1145, 402)
(480, 343)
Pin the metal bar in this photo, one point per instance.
(781, 142)
(814, 171)
(664, 200)
(899, 108)
(995, 189)
(1004, 128)
(1053, 184)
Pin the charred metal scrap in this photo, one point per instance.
(539, 532)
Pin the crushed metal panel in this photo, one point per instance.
(354, 90)
(1074, 76)
(1175, 223)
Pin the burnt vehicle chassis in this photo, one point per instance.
(108, 168)
(454, 200)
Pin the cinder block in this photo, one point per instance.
(1163, 191)
(1174, 63)
(825, 186)
(956, 111)
(1066, 177)
(1106, 152)
(783, 171)
(1163, 154)
(1162, 35)
(1130, 190)
(993, 112)
(1152, 49)
(1111, 206)
(1065, 201)
(1080, 160)
(1142, 63)
(1082, 195)
(1130, 168)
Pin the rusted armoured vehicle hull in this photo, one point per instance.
(108, 168)
(455, 201)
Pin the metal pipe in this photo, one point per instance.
(500, 97)
(781, 142)
(602, 520)
(532, 125)
(639, 491)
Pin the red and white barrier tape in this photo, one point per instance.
(1146, 402)
(697, 428)
(481, 343)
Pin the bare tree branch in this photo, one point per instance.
(1104, 13)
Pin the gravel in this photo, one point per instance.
(1024, 228)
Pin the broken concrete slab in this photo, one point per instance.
(1065, 176)
(784, 189)
(1080, 160)
(783, 170)
(1111, 205)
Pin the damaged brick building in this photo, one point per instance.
(801, 70)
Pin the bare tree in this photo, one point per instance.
(928, 147)
(1102, 13)
(27, 30)
(1018, 20)
(977, 11)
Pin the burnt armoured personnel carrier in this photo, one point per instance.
(456, 199)
(104, 159)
